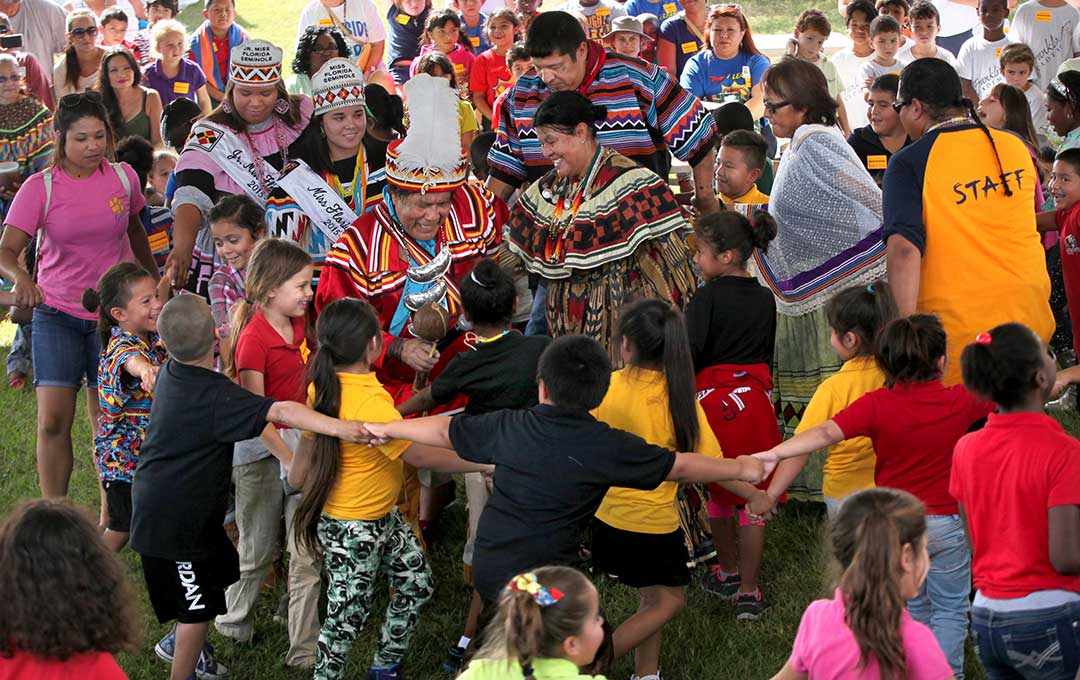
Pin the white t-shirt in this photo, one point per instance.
(847, 65)
(872, 70)
(978, 62)
(490, 6)
(44, 30)
(359, 16)
(1037, 104)
(1050, 32)
(943, 54)
(598, 17)
(956, 18)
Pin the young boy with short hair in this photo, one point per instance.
(885, 39)
(472, 23)
(978, 61)
(811, 31)
(1047, 27)
(114, 26)
(554, 463)
(739, 165)
(897, 9)
(627, 37)
(925, 24)
(518, 61)
(182, 479)
(735, 116)
(1017, 65)
(848, 61)
(212, 43)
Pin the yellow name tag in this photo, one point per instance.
(459, 68)
(1044, 16)
(326, 22)
(403, 19)
(689, 47)
(670, 8)
(181, 88)
(876, 162)
(475, 41)
(997, 53)
(603, 11)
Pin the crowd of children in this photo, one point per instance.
(237, 427)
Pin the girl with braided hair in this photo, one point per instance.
(548, 626)
(1063, 108)
(968, 250)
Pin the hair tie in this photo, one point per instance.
(983, 338)
(472, 276)
(526, 669)
(527, 583)
(870, 288)
(248, 300)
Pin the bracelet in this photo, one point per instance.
(395, 348)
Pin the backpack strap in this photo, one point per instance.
(46, 177)
(123, 179)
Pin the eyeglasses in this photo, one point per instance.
(332, 49)
(773, 107)
(90, 32)
(899, 106)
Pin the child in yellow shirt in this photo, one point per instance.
(739, 164)
(856, 316)
(350, 495)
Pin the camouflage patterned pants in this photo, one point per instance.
(355, 553)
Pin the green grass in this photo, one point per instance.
(705, 642)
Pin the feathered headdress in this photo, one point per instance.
(429, 158)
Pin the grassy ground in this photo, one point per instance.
(704, 643)
(275, 20)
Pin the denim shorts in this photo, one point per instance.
(65, 349)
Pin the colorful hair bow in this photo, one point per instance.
(983, 338)
(527, 583)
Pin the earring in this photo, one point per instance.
(226, 106)
(282, 107)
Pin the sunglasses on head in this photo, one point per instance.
(74, 101)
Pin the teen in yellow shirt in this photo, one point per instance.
(856, 315)
(350, 493)
(636, 534)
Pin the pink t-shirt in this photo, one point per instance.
(85, 230)
(825, 648)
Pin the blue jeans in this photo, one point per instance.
(18, 360)
(538, 316)
(942, 603)
(1039, 644)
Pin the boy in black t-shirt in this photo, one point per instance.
(554, 463)
(182, 481)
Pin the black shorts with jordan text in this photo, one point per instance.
(189, 592)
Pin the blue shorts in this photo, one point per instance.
(65, 349)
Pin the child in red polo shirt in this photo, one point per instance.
(265, 354)
(914, 422)
(1018, 480)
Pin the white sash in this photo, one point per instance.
(319, 203)
(234, 157)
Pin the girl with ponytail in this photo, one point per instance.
(732, 328)
(636, 534)
(914, 423)
(547, 627)
(1018, 480)
(348, 510)
(880, 540)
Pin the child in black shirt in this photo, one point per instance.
(554, 463)
(497, 371)
(182, 481)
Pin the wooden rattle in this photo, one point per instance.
(430, 323)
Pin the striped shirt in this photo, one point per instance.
(124, 405)
(647, 113)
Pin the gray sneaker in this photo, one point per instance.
(750, 606)
(714, 583)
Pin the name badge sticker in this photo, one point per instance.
(689, 47)
(181, 88)
(878, 162)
